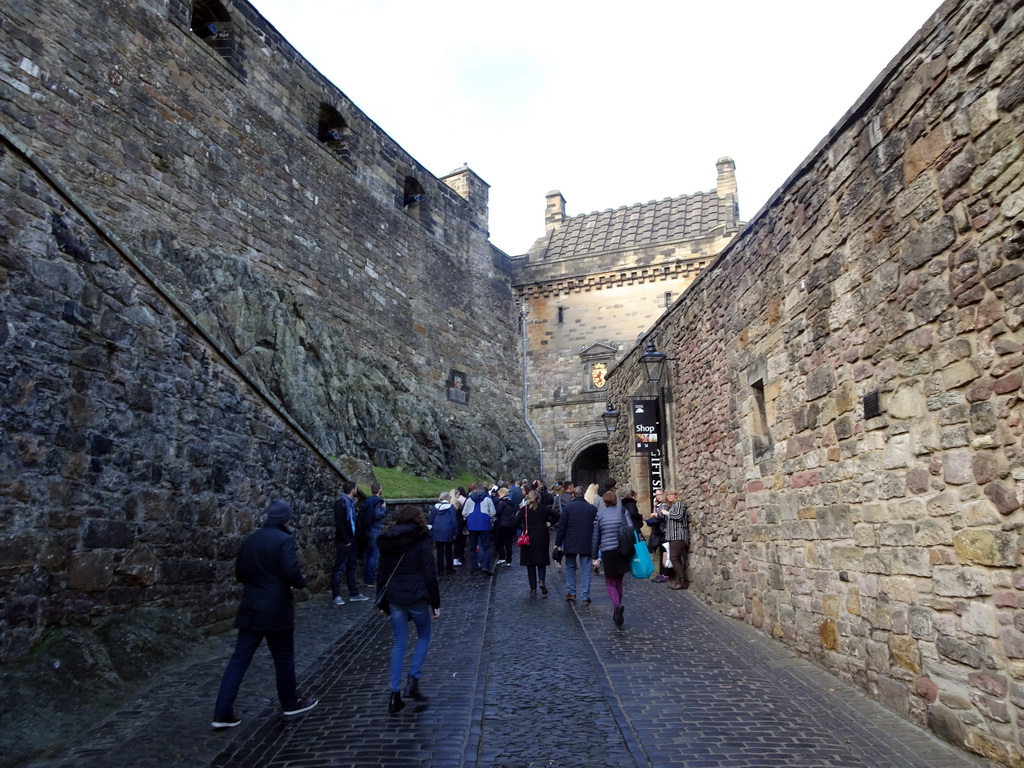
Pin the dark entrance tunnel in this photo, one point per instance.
(591, 466)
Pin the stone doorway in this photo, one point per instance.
(591, 466)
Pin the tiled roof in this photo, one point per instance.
(640, 224)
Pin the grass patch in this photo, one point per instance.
(402, 485)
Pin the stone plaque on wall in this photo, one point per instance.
(458, 387)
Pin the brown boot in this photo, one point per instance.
(676, 584)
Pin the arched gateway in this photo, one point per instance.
(588, 458)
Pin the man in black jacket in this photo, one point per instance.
(575, 529)
(345, 545)
(268, 567)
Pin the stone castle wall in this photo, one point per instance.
(136, 457)
(885, 546)
(298, 252)
(204, 295)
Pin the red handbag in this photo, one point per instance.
(524, 537)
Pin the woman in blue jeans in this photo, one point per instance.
(407, 589)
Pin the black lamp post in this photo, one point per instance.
(653, 362)
(610, 418)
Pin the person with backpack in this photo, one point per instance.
(345, 546)
(371, 520)
(479, 514)
(606, 540)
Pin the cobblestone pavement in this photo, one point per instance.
(521, 682)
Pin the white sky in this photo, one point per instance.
(612, 103)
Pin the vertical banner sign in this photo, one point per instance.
(657, 473)
(646, 425)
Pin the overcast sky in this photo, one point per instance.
(612, 103)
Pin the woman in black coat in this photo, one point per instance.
(407, 589)
(535, 518)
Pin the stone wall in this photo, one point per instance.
(336, 270)
(135, 456)
(884, 544)
(216, 275)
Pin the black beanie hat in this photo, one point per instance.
(278, 512)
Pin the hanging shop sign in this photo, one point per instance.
(646, 425)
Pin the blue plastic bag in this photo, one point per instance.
(641, 566)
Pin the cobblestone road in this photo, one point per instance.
(518, 682)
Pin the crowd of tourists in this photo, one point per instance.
(595, 530)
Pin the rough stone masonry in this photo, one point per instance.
(846, 398)
(219, 282)
(217, 274)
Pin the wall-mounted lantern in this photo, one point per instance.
(654, 363)
(610, 418)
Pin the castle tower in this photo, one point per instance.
(592, 283)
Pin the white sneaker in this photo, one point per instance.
(456, 562)
(338, 600)
(302, 705)
(500, 562)
(357, 598)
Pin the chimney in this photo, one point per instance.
(726, 188)
(554, 212)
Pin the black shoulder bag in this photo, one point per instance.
(383, 590)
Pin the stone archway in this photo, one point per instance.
(588, 458)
